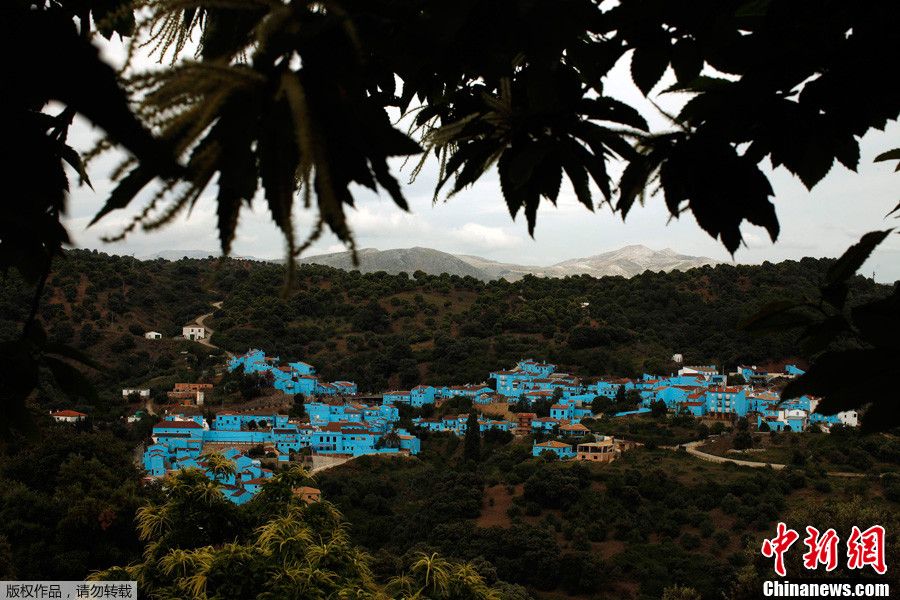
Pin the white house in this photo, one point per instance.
(677, 358)
(705, 370)
(68, 416)
(849, 418)
(153, 335)
(193, 331)
(143, 393)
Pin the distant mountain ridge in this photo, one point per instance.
(626, 262)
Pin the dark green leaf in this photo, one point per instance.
(70, 380)
(686, 60)
(850, 262)
(889, 155)
(125, 192)
(575, 170)
(648, 63)
(778, 315)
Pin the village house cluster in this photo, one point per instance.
(337, 429)
(698, 390)
(701, 391)
(338, 422)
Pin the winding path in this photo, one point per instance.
(691, 448)
(209, 332)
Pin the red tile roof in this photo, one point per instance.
(574, 427)
(67, 413)
(553, 444)
(178, 425)
(257, 481)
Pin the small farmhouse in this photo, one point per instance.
(193, 331)
(68, 416)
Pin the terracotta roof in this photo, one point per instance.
(67, 413)
(178, 425)
(256, 481)
(574, 427)
(334, 427)
(356, 430)
(553, 444)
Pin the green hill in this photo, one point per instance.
(386, 331)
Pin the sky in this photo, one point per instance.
(822, 222)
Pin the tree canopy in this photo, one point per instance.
(291, 100)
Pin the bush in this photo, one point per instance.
(730, 503)
(822, 485)
(890, 483)
(702, 431)
(722, 538)
(742, 440)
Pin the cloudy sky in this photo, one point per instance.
(823, 222)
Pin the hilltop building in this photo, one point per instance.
(193, 331)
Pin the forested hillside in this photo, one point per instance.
(630, 529)
(455, 330)
(396, 330)
(521, 523)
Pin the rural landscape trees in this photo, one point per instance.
(292, 99)
(294, 104)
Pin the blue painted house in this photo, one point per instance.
(294, 378)
(610, 388)
(421, 395)
(536, 369)
(545, 424)
(562, 451)
(726, 401)
(511, 383)
(397, 397)
(159, 460)
(235, 421)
